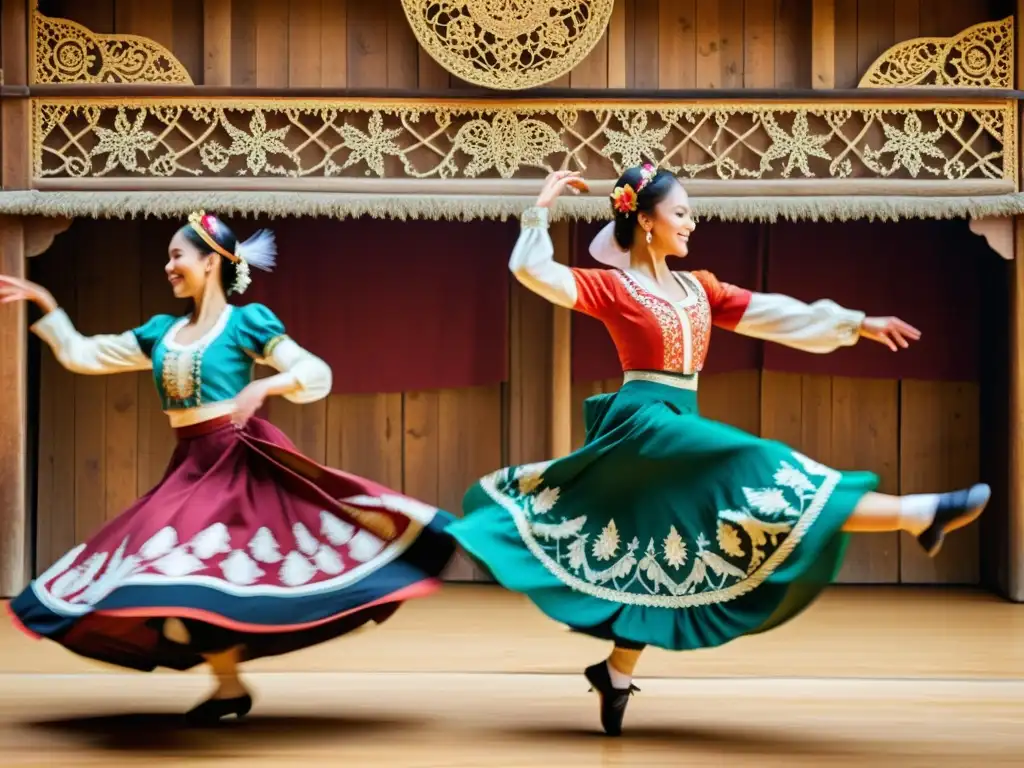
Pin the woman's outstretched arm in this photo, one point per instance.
(93, 355)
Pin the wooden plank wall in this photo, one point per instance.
(649, 43)
(102, 440)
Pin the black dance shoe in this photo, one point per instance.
(613, 700)
(955, 510)
(212, 711)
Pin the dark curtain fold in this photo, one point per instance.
(394, 305)
(925, 272)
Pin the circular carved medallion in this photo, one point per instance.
(508, 44)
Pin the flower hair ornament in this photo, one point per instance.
(259, 251)
(603, 248)
(624, 198)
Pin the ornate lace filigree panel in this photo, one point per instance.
(508, 44)
(979, 57)
(66, 52)
(383, 139)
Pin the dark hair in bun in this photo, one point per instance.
(653, 192)
(225, 238)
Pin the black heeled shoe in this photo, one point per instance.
(613, 700)
(956, 510)
(212, 711)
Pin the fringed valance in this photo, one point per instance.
(166, 204)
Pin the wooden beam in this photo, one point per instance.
(561, 354)
(823, 44)
(15, 113)
(902, 95)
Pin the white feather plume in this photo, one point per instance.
(259, 251)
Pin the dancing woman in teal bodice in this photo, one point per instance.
(245, 548)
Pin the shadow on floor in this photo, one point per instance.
(165, 732)
(724, 740)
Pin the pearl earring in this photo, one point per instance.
(648, 237)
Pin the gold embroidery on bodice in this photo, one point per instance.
(685, 326)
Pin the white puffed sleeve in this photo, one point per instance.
(533, 261)
(94, 355)
(820, 327)
(312, 375)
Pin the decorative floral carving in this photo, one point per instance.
(370, 147)
(124, 142)
(798, 145)
(908, 147)
(256, 143)
(520, 139)
(505, 143)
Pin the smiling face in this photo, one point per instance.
(671, 223)
(188, 269)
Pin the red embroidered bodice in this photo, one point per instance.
(652, 333)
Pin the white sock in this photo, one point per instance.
(917, 511)
(619, 680)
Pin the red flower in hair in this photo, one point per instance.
(624, 199)
(207, 223)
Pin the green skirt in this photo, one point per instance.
(665, 528)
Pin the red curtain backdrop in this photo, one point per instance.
(730, 250)
(394, 305)
(925, 272)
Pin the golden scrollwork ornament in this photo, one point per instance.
(67, 52)
(979, 57)
(508, 44)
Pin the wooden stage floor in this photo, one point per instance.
(476, 678)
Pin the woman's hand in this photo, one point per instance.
(556, 183)
(250, 400)
(15, 289)
(891, 331)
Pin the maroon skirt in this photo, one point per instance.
(248, 543)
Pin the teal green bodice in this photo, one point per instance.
(214, 368)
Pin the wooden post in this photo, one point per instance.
(16, 132)
(14, 560)
(15, 174)
(561, 354)
(823, 44)
(217, 42)
(1015, 517)
(617, 46)
(529, 390)
(1015, 514)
